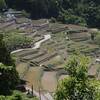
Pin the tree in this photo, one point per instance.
(9, 78)
(16, 95)
(2, 5)
(5, 57)
(14, 40)
(78, 86)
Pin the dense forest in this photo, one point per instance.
(80, 12)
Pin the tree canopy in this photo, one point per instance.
(9, 78)
(78, 86)
(80, 12)
(2, 5)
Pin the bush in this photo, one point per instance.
(53, 20)
(14, 39)
(25, 14)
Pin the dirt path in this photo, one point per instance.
(49, 81)
(37, 44)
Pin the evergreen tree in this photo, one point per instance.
(9, 78)
(5, 57)
(2, 5)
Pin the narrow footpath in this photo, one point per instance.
(37, 44)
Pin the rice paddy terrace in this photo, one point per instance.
(44, 66)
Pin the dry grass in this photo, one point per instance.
(93, 69)
(49, 81)
(32, 55)
(76, 27)
(55, 59)
(60, 66)
(4, 23)
(45, 56)
(23, 52)
(62, 77)
(32, 77)
(20, 68)
(78, 35)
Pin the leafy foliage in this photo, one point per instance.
(78, 86)
(15, 39)
(9, 78)
(2, 5)
(16, 95)
(80, 12)
(5, 57)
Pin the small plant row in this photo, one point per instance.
(55, 31)
(42, 54)
(79, 39)
(29, 53)
(51, 43)
(61, 48)
(54, 64)
(35, 63)
(8, 25)
(48, 58)
(46, 68)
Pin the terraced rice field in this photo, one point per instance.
(62, 77)
(60, 66)
(20, 68)
(55, 59)
(49, 81)
(32, 77)
(78, 35)
(32, 55)
(93, 69)
(57, 44)
(23, 52)
(3, 24)
(12, 27)
(45, 56)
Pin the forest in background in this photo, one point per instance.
(79, 12)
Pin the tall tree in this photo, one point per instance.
(78, 86)
(2, 5)
(9, 78)
(5, 57)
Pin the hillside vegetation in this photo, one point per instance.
(80, 12)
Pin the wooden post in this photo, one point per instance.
(39, 93)
(32, 90)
